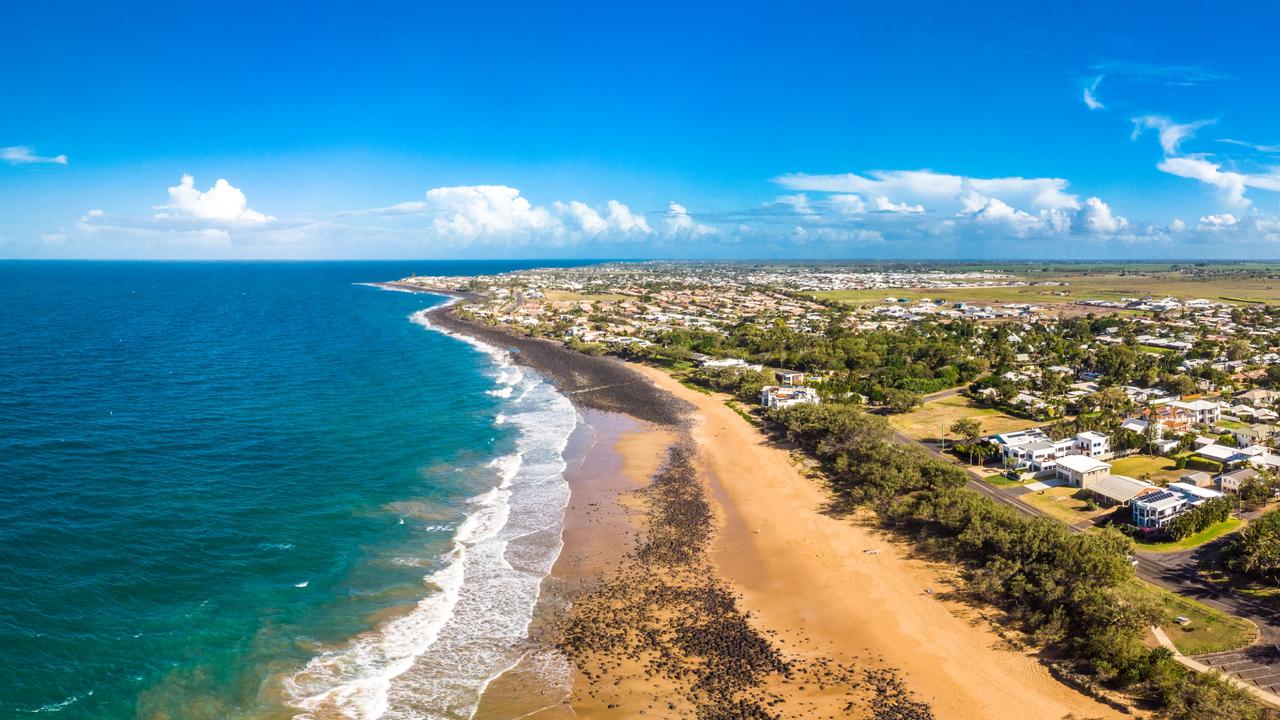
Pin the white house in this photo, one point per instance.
(1040, 455)
(1155, 510)
(773, 396)
(1200, 412)
(1093, 444)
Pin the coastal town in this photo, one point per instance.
(1152, 416)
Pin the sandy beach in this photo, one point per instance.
(701, 578)
(850, 587)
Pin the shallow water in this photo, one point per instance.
(236, 489)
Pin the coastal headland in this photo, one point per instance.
(701, 578)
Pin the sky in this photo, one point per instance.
(874, 130)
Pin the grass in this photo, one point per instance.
(1156, 350)
(1064, 503)
(1158, 468)
(932, 419)
(569, 296)
(1087, 284)
(1209, 630)
(1213, 532)
(1232, 424)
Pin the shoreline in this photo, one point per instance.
(864, 609)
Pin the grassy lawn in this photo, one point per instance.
(1232, 424)
(932, 419)
(1212, 532)
(1159, 468)
(1209, 630)
(1064, 503)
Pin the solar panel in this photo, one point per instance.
(1157, 496)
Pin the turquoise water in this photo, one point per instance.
(224, 485)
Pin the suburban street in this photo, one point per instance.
(1176, 572)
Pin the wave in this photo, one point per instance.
(434, 661)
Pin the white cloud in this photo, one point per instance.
(884, 204)
(799, 203)
(471, 211)
(621, 218)
(680, 223)
(1090, 95)
(847, 204)
(1171, 134)
(1177, 225)
(1221, 220)
(929, 188)
(1095, 217)
(24, 155)
(222, 202)
(1232, 183)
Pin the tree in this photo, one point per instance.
(900, 401)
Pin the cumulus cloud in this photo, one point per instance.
(1177, 225)
(1090, 95)
(1221, 220)
(1095, 217)
(500, 214)
(222, 202)
(25, 155)
(680, 223)
(884, 204)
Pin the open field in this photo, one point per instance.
(1209, 630)
(1066, 504)
(1158, 469)
(932, 419)
(1086, 285)
(569, 296)
(1212, 532)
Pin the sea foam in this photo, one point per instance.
(435, 661)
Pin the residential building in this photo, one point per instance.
(773, 396)
(789, 378)
(1197, 478)
(1254, 435)
(1200, 412)
(1119, 490)
(1231, 482)
(1081, 471)
(1153, 511)
(1093, 444)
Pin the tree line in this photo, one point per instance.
(1065, 588)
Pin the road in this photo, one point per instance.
(1176, 572)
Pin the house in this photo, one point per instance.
(1199, 412)
(1093, 444)
(1194, 494)
(736, 363)
(789, 378)
(1254, 435)
(1259, 397)
(773, 396)
(1219, 453)
(1231, 482)
(1081, 471)
(1154, 510)
(1197, 478)
(1040, 455)
(1119, 490)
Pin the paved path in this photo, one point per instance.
(1255, 668)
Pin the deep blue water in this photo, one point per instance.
(214, 471)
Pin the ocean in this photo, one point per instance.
(261, 490)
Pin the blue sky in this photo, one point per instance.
(875, 130)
